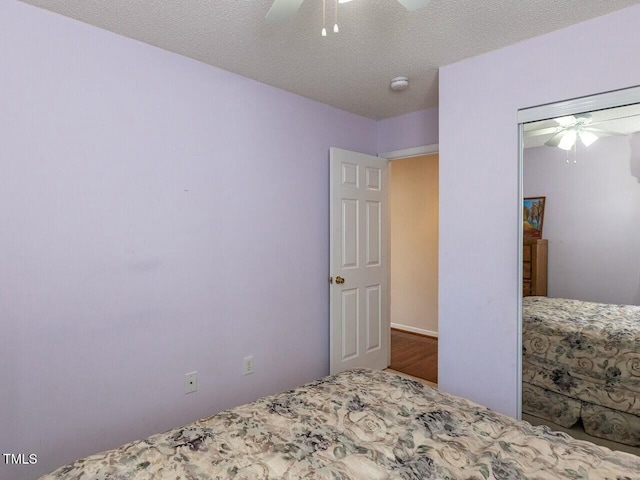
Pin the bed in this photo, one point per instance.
(581, 361)
(360, 424)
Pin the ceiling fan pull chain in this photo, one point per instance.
(324, 18)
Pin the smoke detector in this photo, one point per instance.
(399, 83)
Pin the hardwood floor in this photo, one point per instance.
(414, 354)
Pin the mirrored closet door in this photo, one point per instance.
(581, 275)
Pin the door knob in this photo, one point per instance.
(339, 280)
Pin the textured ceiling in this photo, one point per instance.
(378, 40)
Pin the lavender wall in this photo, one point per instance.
(407, 131)
(591, 218)
(157, 216)
(479, 100)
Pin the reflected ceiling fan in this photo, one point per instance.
(574, 127)
(282, 9)
(571, 128)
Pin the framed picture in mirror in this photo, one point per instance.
(533, 216)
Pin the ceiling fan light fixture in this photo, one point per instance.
(568, 140)
(587, 138)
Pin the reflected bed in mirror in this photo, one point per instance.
(581, 361)
(581, 341)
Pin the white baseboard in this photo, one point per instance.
(421, 331)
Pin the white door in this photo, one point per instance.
(359, 261)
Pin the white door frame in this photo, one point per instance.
(411, 152)
(600, 101)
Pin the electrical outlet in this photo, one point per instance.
(190, 382)
(248, 365)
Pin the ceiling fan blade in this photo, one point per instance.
(566, 121)
(624, 125)
(539, 132)
(412, 5)
(282, 9)
(555, 140)
(603, 133)
(615, 119)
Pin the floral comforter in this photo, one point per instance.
(360, 424)
(582, 360)
(594, 341)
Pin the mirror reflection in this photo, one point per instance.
(581, 276)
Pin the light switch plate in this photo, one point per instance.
(248, 365)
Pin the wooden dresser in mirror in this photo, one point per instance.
(534, 267)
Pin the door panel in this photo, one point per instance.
(373, 240)
(374, 316)
(350, 175)
(350, 330)
(350, 233)
(373, 178)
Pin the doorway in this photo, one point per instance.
(413, 221)
(360, 260)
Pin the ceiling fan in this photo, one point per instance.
(282, 9)
(570, 129)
